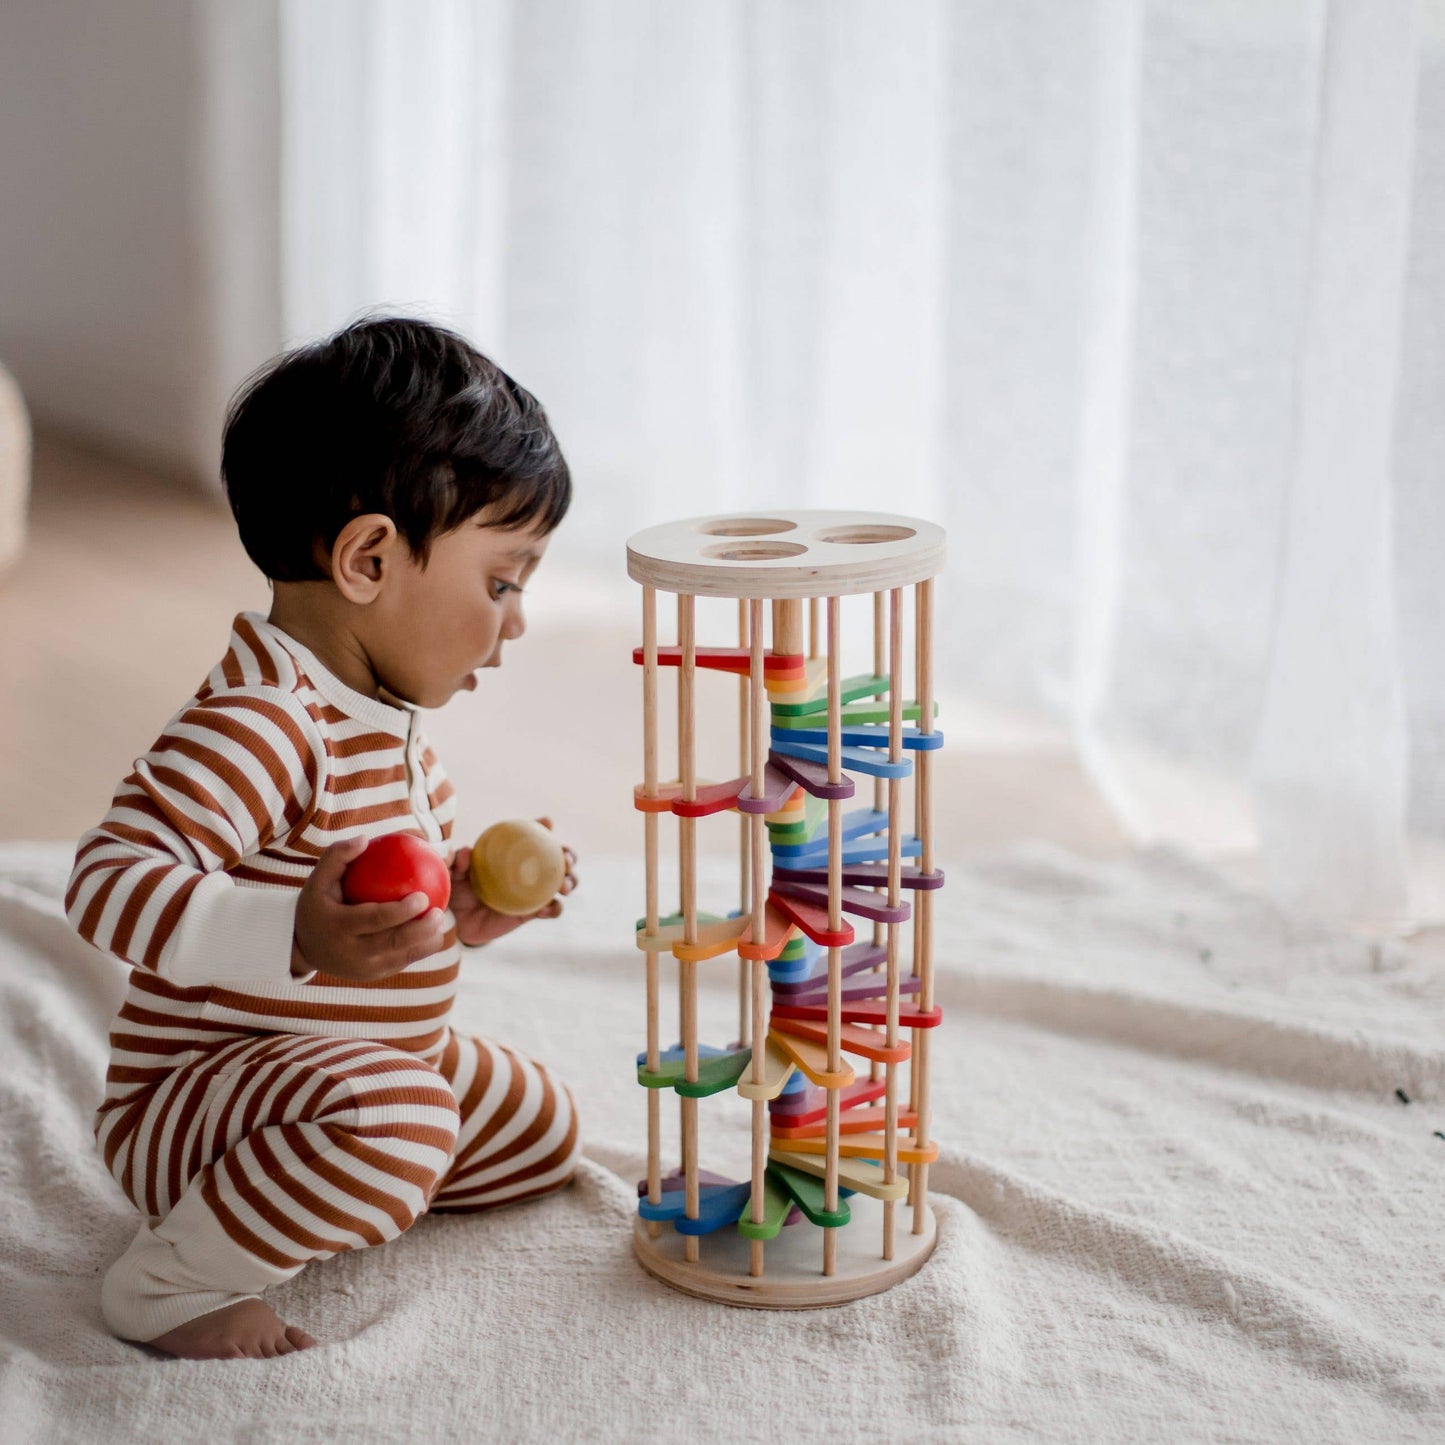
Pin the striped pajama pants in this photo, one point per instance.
(274, 1150)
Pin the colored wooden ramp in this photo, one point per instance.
(717, 936)
(779, 930)
(775, 793)
(855, 760)
(808, 1106)
(857, 1174)
(675, 1180)
(852, 1038)
(867, 1146)
(852, 713)
(812, 919)
(860, 902)
(851, 689)
(813, 1059)
(857, 735)
(715, 1210)
(776, 1204)
(909, 1015)
(670, 1064)
(713, 940)
(871, 987)
(714, 1203)
(855, 960)
(715, 1075)
(707, 798)
(728, 659)
(866, 850)
(717, 1069)
(778, 1068)
(850, 1121)
(807, 1192)
(810, 773)
(857, 875)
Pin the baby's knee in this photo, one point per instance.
(401, 1114)
(396, 1083)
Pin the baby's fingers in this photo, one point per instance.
(333, 862)
(371, 918)
(569, 878)
(409, 943)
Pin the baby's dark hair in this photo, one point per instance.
(390, 415)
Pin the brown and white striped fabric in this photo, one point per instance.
(276, 1150)
(192, 875)
(259, 1120)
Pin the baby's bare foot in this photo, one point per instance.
(247, 1330)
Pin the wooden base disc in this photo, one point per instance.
(792, 1277)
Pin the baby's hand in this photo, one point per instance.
(476, 923)
(362, 941)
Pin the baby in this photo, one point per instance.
(283, 1081)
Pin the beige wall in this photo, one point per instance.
(123, 256)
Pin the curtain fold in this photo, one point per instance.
(1332, 753)
(1138, 297)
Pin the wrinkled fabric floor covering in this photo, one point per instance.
(1178, 1199)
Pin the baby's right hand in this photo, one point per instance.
(362, 941)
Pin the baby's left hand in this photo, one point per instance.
(476, 923)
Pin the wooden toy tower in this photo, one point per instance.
(833, 1046)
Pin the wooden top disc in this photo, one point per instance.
(786, 553)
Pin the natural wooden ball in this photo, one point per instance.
(517, 867)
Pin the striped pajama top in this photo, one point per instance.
(193, 874)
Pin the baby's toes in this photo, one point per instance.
(297, 1338)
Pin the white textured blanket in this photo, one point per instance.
(1178, 1199)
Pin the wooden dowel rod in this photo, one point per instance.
(687, 849)
(835, 921)
(649, 691)
(812, 627)
(745, 838)
(760, 1112)
(755, 759)
(830, 1182)
(686, 695)
(880, 666)
(923, 924)
(788, 627)
(755, 767)
(689, 1170)
(649, 744)
(895, 873)
(654, 1096)
(880, 669)
(649, 787)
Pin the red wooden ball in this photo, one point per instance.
(393, 867)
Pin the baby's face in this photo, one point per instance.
(431, 629)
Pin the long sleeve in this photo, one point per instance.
(233, 772)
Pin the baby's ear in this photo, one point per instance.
(364, 550)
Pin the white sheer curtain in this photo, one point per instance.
(1145, 301)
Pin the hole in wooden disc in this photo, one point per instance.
(754, 551)
(872, 532)
(746, 527)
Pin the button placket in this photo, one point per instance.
(417, 794)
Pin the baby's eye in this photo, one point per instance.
(500, 587)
